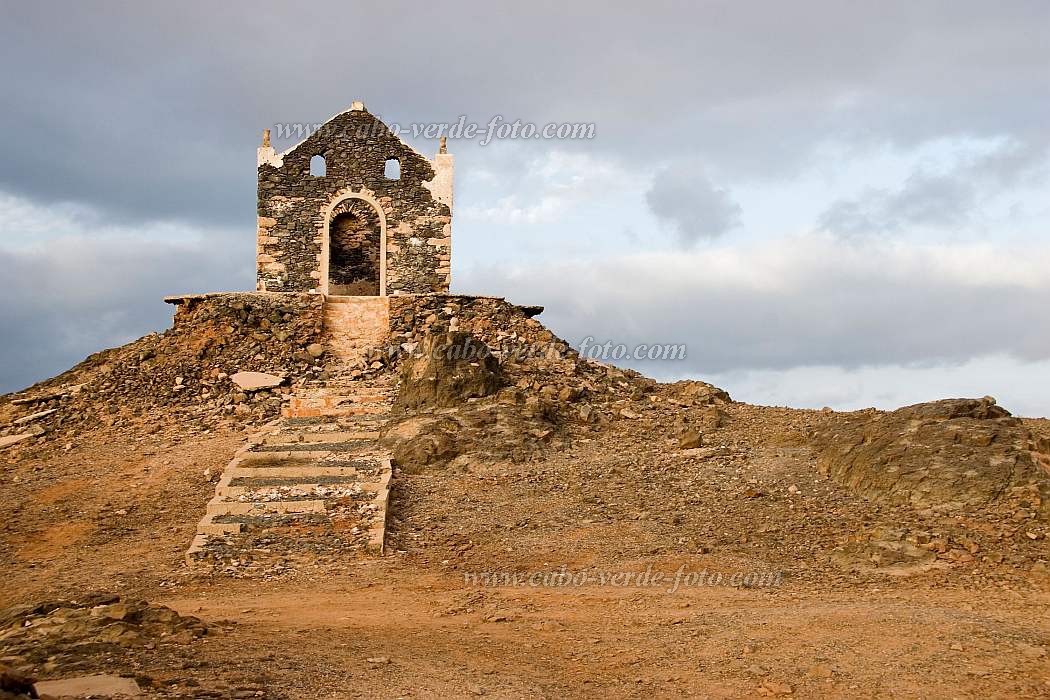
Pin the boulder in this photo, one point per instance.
(983, 408)
(36, 416)
(712, 418)
(446, 370)
(256, 381)
(418, 441)
(101, 685)
(488, 429)
(690, 439)
(15, 682)
(700, 393)
(8, 440)
(59, 630)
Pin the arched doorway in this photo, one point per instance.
(355, 243)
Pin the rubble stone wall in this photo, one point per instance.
(497, 322)
(295, 208)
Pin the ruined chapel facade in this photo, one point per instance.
(354, 211)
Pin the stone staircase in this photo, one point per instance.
(309, 490)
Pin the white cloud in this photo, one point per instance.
(26, 225)
(546, 189)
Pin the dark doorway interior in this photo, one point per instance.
(354, 237)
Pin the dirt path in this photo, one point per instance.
(443, 638)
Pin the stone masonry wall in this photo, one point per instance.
(293, 204)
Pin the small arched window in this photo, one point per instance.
(392, 169)
(317, 166)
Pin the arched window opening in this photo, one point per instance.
(392, 169)
(318, 167)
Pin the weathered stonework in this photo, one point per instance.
(391, 236)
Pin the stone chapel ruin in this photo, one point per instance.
(356, 226)
(354, 211)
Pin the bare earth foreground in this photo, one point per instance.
(115, 510)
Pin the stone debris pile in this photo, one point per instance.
(186, 372)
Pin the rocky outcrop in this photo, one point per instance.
(508, 426)
(62, 631)
(691, 392)
(950, 455)
(445, 370)
(447, 407)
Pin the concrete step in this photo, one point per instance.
(320, 397)
(295, 411)
(212, 529)
(358, 410)
(291, 471)
(299, 437)
(259, 485)
(313, 486)
(362, 300)
(282, 457)
(355, 325)
(219, 506)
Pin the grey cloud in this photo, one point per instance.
(148, 111)
(938, 199)
(924, 200)
(153, 110)
(697, 209)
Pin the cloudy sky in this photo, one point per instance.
(828, 203)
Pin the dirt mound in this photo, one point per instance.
(547, 385)
(547, 388)
(950, 455)
(182, 373)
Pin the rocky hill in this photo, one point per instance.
(914, 538)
